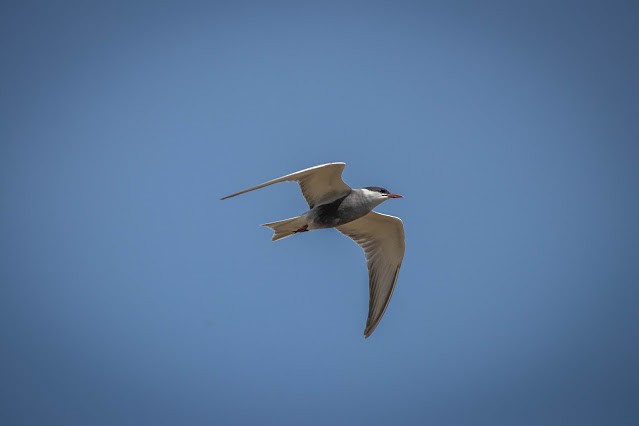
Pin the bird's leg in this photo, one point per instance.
(302, 229)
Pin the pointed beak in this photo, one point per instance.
(395, 196)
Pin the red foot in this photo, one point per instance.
(302, 229)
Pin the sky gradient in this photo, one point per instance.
(131, 295)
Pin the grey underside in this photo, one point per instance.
(343, 210)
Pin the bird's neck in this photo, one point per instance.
(371, 198)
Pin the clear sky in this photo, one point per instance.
(131, 295)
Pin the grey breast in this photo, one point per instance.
(341, 211)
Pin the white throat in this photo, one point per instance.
(374, 198)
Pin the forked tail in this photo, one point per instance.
(287, 227)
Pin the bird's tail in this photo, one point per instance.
(287, 227)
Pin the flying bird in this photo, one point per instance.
(334, 204)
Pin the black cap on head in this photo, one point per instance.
(378, 189)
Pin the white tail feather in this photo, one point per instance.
(287, 227)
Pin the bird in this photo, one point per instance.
(334, 204)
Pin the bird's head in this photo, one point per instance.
(379, 195)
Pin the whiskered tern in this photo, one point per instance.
(334, 204)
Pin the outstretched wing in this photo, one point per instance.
(319, 184)
(382, 239)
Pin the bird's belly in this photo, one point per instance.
(327, 217)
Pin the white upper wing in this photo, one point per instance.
(319, 184)
(382, 239)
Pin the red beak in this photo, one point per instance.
(395, 196)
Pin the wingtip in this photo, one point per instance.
(370, 328)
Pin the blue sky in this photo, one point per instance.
(131, 294)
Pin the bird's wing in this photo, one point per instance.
(382, 239)
(319, 184)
